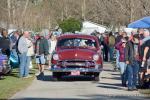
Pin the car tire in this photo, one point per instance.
(9, 72)
(96, 77)
(57, 76)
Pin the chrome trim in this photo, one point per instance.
(76, 63)
(57, 69)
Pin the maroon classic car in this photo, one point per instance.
(75, 55)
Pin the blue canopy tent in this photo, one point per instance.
(142, 23)
(146, 19)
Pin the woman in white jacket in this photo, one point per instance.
(30, 51)
(53, 42)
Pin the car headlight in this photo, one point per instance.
(95, 57)
(55, 57)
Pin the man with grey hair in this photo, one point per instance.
(146, 44)
(23, 47)
(146, 35)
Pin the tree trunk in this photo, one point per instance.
(9, 13)
(24, 11)
(131, 10)
(83, 10)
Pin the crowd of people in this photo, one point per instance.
(132, 52)
(22, 47)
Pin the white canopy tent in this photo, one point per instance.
(89, 27)
(130, 30)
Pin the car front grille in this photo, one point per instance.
(76, 64)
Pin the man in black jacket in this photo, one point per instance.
(41, 50)
(5, 43)
(131, 58)
(146, 45)
(146, 50)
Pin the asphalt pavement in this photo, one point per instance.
(80, 88)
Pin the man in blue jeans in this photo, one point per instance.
(23, 47)
(132, 71)
(131, 58)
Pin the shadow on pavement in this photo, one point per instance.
(92, 97)
(115, 84)
(114, 97)
(111, 86)
(115, 74)
(45, 78)
(108, 70)
(113, 78)
(65, 78)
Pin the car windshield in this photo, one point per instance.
(77, 42)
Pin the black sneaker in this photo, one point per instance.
(130, 89)
(124, 85)
(42, 74)
(135, 89)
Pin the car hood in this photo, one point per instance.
(76, 54)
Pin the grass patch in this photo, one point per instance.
(12, 84)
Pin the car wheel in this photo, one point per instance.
(96, 77)
(57, 76)
(9, 72)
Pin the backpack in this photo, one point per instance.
(111, 41)
(17, 42)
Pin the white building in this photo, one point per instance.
(89, 27)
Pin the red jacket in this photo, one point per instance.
(106, 40)
(121, 49)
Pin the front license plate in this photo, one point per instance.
(75, 73)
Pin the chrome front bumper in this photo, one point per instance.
(56, 69)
